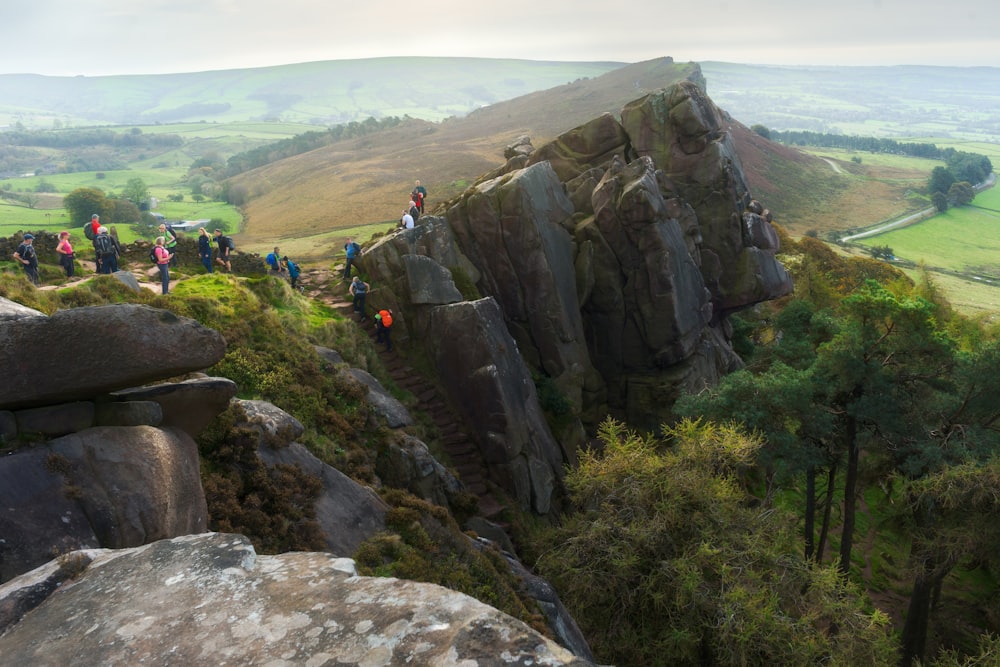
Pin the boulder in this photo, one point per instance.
(347, 513)
(11, 310)
(102, 487)
(387, 408)
(492, 388)
(190, 405)
(407, 463)
(100, 349)
(429, 282)
(210, 599)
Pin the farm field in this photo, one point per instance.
(964, 239)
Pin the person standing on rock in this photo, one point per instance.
(25, 254)
(65, 251)
(359, 289)
(205, 249)
(419, 194)
(351, 250)
(163, 257)
(383, 328)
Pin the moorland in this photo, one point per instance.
(309, 202)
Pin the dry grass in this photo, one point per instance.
(312, 202)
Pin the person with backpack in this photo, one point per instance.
(352, 250)
(413, 210)
(163, 263)
(107, 250)
(90, 230)
(419, 195)
(170, 242)
(383, 328)
(274, 260)
(359, 289)
(65, 252)
(293, 271)
(25, 254)
(226, 246)
(205, 249)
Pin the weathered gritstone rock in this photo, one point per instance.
(211, 600)
(101, 349)
(105, 486)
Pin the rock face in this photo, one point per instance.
(614, 254)
(82, 352)
(209, 599)
(111, 487)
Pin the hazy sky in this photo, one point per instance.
(70, 37)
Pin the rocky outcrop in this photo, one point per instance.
(82, 352)
(615, 254)
(210, 599)
(486, 377)
(107, 486)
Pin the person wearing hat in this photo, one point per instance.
(25, 254)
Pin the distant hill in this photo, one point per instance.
(367, 180)
(900, 101)
(322, 93)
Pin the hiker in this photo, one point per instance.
(358, 290)
(205, 249)
(25, 254)
(107, 250)
(225, 245)
(383, 328)
(419, 194)
(65, 251)
(413, 210)
(274, 260)
(352, 250)
(406, 222)
(293, 270)
(163, 263)
(170, 242)
(90, 230)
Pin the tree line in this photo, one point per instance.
(951, 184)
(732, 536)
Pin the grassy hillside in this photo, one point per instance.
(367, 181)
(322, 93)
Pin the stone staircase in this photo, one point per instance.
(463, 454)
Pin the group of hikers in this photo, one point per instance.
(280, 265)
(163, 254)
(414, 208)
(107, 251)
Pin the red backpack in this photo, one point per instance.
(386, 318)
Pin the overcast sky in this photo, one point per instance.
(101, 37)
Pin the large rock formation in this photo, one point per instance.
(210, 599)
(90, 466)
(614, 253)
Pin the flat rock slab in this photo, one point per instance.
(211, 600)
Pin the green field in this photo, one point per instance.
(964, 239)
